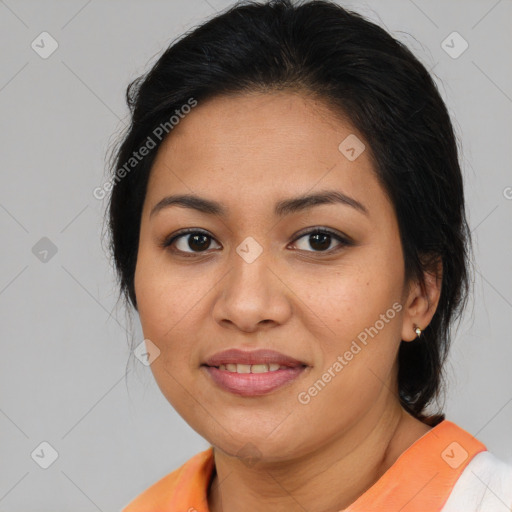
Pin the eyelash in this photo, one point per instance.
(168, 242)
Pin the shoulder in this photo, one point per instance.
(486, 481)
(162, 494)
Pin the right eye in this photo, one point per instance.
(188, 242)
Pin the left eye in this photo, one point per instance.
(320, 240)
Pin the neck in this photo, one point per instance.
(328, 479)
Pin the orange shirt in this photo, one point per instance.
(420, 480)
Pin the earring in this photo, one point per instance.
(417, 330)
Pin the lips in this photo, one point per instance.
(253, 357)
(252, 373)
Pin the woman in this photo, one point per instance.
(287, 218)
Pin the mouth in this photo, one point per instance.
(258, 358)
(251, 368)
(253, 373)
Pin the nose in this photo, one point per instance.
(252, 296)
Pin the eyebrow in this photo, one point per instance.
(282, 208)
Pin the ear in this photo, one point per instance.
(421, 303)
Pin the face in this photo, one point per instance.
(253, 276)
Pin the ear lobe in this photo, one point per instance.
(421, 303)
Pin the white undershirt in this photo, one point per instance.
(485, 485)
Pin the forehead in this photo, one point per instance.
(245, 148)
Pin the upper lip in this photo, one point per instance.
(261, 356)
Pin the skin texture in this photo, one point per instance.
(248, 152)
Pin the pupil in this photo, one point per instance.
(325, 240)
(194, 239)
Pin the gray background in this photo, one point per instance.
(64, 341)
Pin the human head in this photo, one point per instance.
(367, 77)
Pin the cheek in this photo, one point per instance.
(170, 304)
(342, 299)
(356, 304)
(159, 293)
(166, 317)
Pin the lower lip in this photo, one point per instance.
(253, 384)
